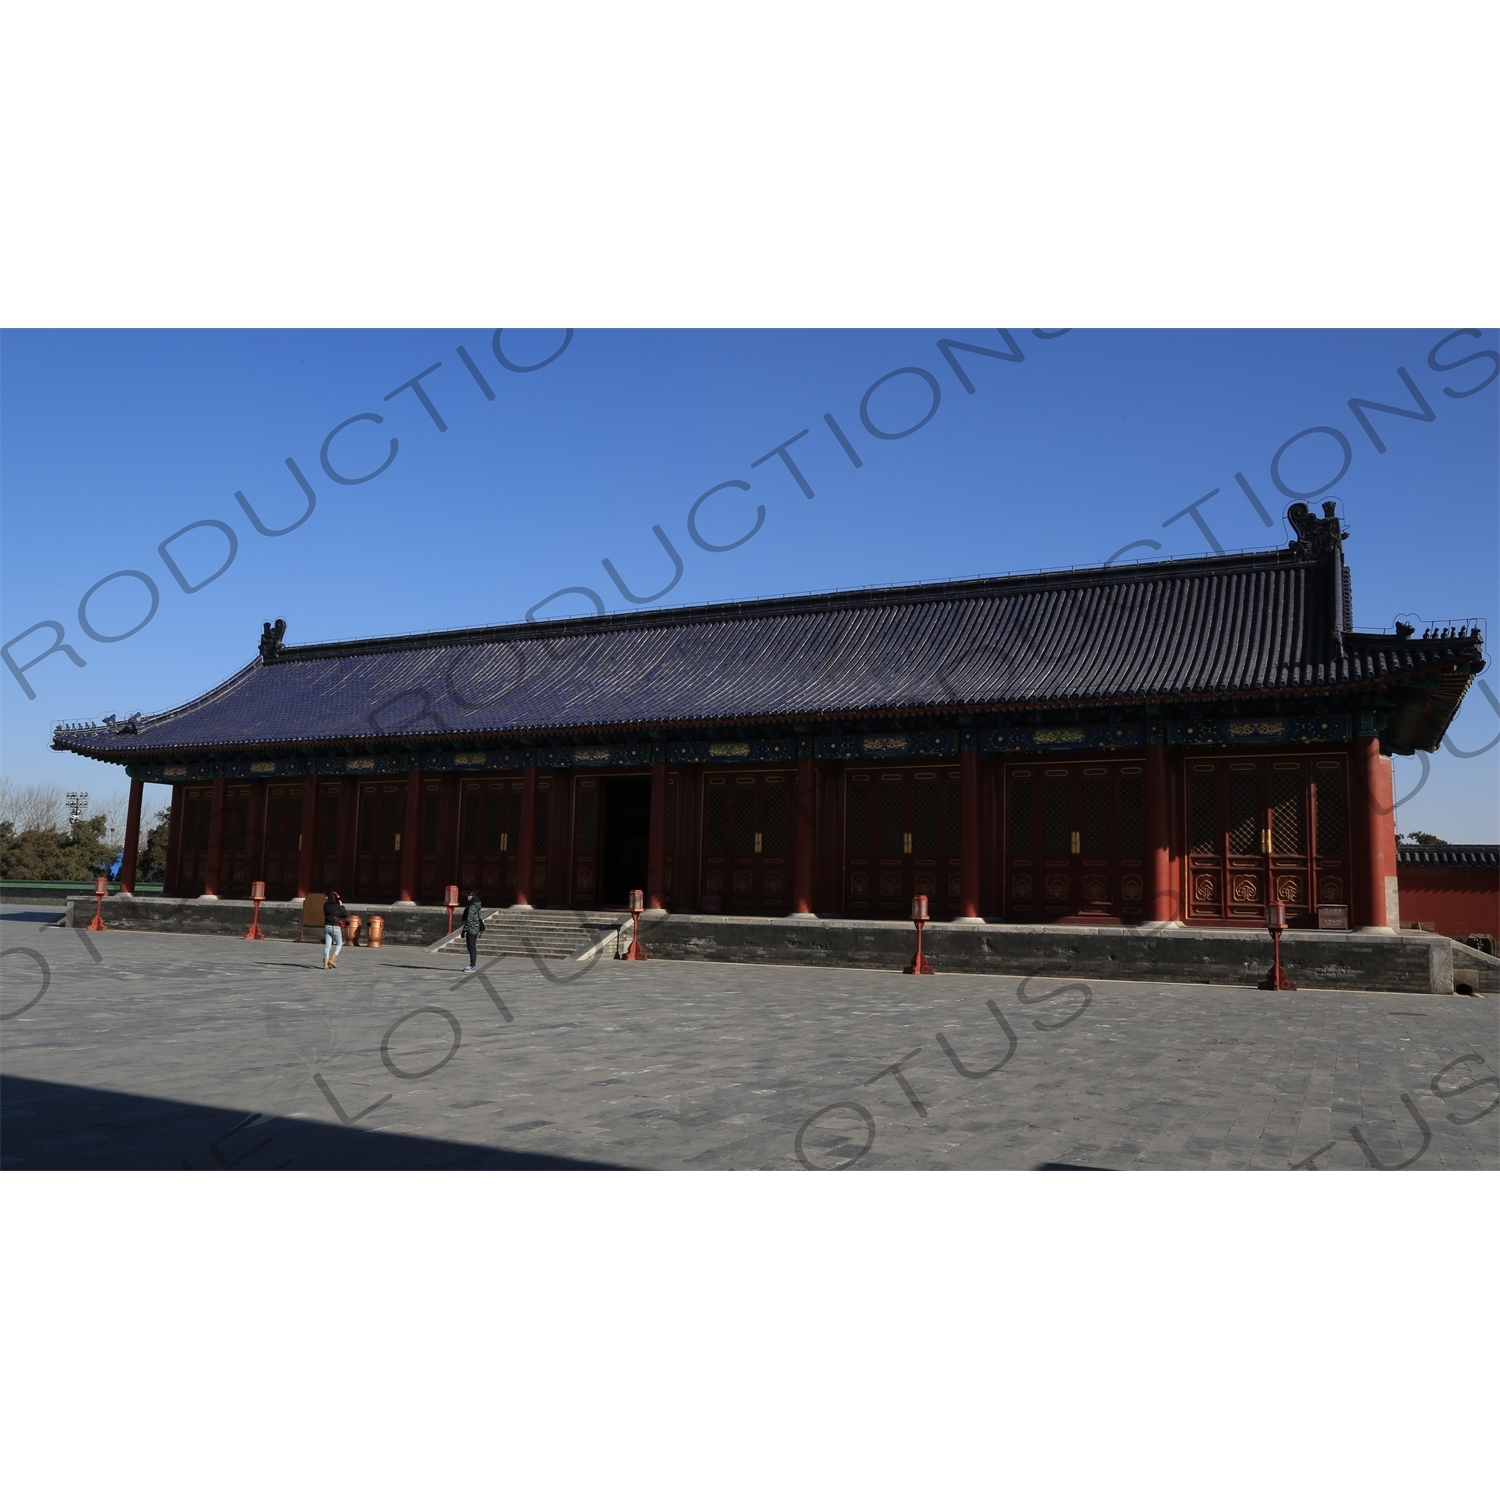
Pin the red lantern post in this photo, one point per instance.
(257, 895)
(101, 890)
(450, 900)
(637, 906)
(919, 964)
(1276, 924)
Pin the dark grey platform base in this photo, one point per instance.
(1408, 963)
(417, 925)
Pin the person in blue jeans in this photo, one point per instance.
(334, 916)
(471, 926)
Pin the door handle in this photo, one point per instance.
(757, 843)
(1075, 848)
(906, 843)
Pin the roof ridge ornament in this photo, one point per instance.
(1316, 537)
(270, 641)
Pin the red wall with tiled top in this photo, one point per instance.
(1456, 902)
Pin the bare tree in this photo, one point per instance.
(31, 808)
(38, 806)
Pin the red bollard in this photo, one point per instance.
(101, 890)
(919, 964)
(637, 905)
(257, 895)
(1276, 925)
(450, 900)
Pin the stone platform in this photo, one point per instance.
(1406, 962)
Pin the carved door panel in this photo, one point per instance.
(377, 865)
(1075, 843)
(429, 876)
(192, 859)
(540, 861)
(489, 835)
(586, 807)
(332, 801)
(903, 837)
(747, 848)
(283, 841)
(1266, 830)
(239, 842)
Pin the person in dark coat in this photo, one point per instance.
(471, 925)
(334, 917)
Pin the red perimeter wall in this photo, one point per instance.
(1456, 902)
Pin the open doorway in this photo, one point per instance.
(627, 835)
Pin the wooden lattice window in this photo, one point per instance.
(388, 828)
(713, 821)
(1243, 809)
(1205, 815)
(891, 808)
(955, 817)
(859, 818)
(514, 826)
(236, 822)
(586, 805)
(1057, 818)
(774, 817)
(744, 820)
(494, 810)
(671, 815)
(430, 801)
(1093, 820)
(1020, 819)
(330, 825)
(1132, 817)
(924, 819)
(275, 807)
(543, 818)
(1288, 834)
(1330, 789)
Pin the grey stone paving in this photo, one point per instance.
(155, 1050)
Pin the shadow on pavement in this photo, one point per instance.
(59, 1127)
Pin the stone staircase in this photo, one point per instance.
(550, 935)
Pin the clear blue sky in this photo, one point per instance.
(112, 441)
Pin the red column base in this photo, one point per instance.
(919, 964)
(1276, 980)
(98, 924)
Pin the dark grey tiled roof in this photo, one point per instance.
(1242, 626)
(1450, 856)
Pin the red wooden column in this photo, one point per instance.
(171, 881)
(132, 839)
(526, 852)
(307, 840)
(1374, 827)
(968, 844)
(656, 846)
(411, 839)
(803, 843)
(1159, 834)
(215, 842)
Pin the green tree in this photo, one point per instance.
(153, 857)
(1422, 838)
(45, 854)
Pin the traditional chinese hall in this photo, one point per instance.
(1176, 741)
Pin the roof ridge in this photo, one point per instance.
(873, 596)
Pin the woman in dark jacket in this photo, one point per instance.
(471, 925)
(334, 916)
